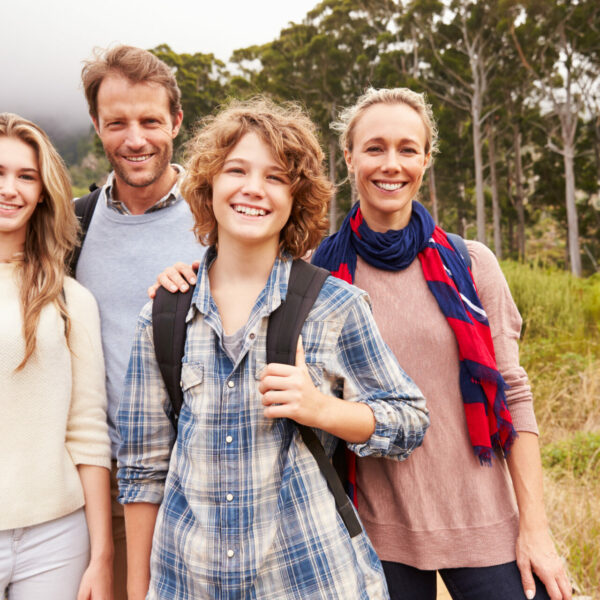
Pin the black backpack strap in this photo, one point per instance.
(461, 247)
(168, 331)
(84, 209)
(285, 325)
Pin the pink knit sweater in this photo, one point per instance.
(441, 508)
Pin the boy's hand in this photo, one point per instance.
(288, 392)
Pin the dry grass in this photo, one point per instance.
(560, 350)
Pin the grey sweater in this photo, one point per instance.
(120, 259)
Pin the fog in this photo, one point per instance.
(43, 44)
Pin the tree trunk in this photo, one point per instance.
(333, 204)
(495, 201)
(519, 202)
(433, 194)
(478, 156)
(572, 223)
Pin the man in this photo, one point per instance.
(140, 223)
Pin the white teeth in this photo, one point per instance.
(253, 212)
(389, 187)
(8, 206)
(138, 158)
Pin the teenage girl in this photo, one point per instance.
(54, 446)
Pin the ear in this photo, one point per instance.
(426, 161)
(177, 124)
(348, 159)
(96, 125)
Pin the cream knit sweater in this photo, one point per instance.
(53, 411)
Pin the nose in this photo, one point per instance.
(254, 185)
(8, 187)
(391, 163)
(135, 136)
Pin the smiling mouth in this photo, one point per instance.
(141, 158)
(250, 211)
(6, 206)
(389, 187)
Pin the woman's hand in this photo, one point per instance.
(535, 551)
(175, 278)
(97, 581)
(288, 392)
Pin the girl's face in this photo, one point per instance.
(252, 198)
(388, 161)
(20, 188)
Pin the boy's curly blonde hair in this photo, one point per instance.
(291, 136)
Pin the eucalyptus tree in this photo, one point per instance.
(458, 47)
(556, 50)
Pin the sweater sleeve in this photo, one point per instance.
(505, 324)
(87, 430)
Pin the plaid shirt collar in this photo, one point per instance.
(272, 296)
(168, 200)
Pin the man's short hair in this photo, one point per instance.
(136, 65)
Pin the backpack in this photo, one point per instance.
(461, 247)
(285, 324)
(84, 209)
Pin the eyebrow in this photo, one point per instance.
(24, 169)
(273, 166)
(382, 140)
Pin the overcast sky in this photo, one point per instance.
(43, 42)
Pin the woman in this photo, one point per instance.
(53, 436)
(450, 508)
(244, 511)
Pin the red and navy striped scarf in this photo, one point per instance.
(450, 281)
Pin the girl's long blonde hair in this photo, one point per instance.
(51, 232)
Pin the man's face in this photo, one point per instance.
(136, 130)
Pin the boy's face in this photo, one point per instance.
(252, 198)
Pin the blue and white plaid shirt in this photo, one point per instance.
(245, 511)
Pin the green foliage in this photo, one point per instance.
(578, 455)
(554, 304)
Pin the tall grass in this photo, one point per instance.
(560, 350)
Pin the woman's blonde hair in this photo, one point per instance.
(350, 116)
(291, 136)
(51, 231)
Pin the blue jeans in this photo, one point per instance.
(499, 582)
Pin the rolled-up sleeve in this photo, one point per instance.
(373, 376)
(146, 432)
(87, 431)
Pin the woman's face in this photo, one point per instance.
(20, 188)
(252, 198)
(388, 161)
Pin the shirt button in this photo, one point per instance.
(229, 439)
(230, 384)
(229, 497)
(252, 336)
(230, 553)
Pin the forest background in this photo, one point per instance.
(515, 88)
